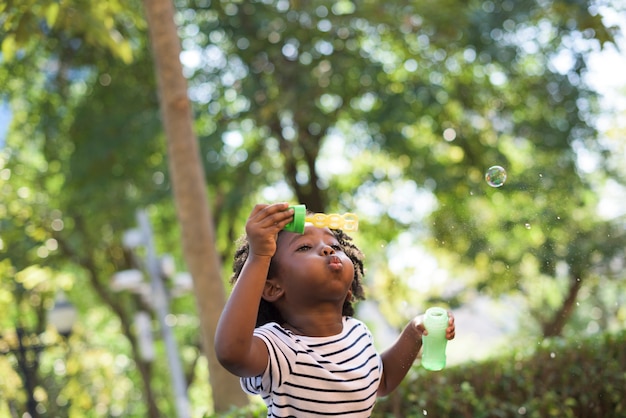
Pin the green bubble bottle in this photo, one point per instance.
(434, 344)
(347, 222)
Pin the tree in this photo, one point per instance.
(442, 90)
(84, 177)
(188, 181)
(44, 227)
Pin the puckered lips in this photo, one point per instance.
(334, 262)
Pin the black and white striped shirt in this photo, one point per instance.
(318, 376)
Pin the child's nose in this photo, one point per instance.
(327, 250)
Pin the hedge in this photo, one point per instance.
(584, 378)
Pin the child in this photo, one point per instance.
(287, 329)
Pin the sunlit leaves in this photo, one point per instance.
(32, 277)
(9, 47)
(101, 24)
(52, 13)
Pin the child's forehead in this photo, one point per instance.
(310, 231)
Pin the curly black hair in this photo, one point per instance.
(269, 313)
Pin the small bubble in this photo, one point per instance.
(527, 226)
(57, 224)
(552, 355)
(495, 176)
(449, 134)
(521, 410)
(425, 412)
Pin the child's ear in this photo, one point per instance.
(272, 291)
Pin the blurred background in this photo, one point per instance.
(126, 177)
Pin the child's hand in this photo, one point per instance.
(418, 323)
(263, 226)
(451, 330)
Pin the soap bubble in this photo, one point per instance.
(495, 176)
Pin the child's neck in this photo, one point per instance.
(324, 325)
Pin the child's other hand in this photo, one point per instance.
(263, 226)
(451, 330)
(418, 323)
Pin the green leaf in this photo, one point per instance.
(9, 47)
(52, 13)
(124, 51)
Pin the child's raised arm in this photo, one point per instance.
(236, 348)
(398, 358)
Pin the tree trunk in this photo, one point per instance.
(554, 327)
(188, 183)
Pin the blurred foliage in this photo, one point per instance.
(392, 110)
(254, 410)
(420, 99)
(106, 25)
(556, 378)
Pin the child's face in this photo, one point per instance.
(312, 267)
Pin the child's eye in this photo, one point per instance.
(336, 247)
(304, 247)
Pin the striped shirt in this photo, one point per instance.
(318, 376)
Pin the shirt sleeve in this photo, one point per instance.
(281, 357)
